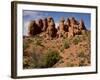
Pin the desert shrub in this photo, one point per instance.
(27, 63)
(38, 58)
(37, 37)
(41, 60)
(29, 40)
(66, 44)
(38, 42)
(35, 60)
(82, 58)
(76, 40)
(26, 43)
(51, 58)
(81, 54)
(86, 36)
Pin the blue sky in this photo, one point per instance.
(29, 15)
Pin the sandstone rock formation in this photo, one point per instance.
(75, 27)
(67, 28)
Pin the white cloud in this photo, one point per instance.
(25, 28)
(56, 25)
(28, 16)
(34, 15)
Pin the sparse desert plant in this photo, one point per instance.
(38, 42)
(27, 63)
(81, 54)
(40, 60)
(82, 58)
(65, 44)
(76, 40)
(51, 58)
(38, 37)
(29, 40)
(35, 60)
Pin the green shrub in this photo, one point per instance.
(81, 54)
(35, 60)
(41, 60)
(66, 44)
(37, 57)
(76, 40)
(27, 63)
(51, 58)
(38, 42)
(82, 58)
